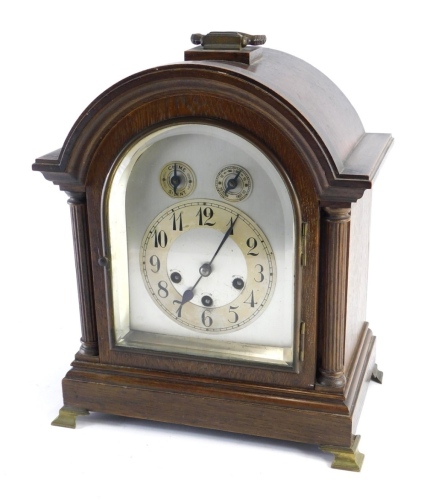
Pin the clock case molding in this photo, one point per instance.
(308, 129)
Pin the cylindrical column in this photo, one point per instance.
(89, 340)
(333, 282)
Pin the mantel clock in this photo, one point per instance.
(220, 211)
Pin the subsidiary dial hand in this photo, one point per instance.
(232, 183)
(175, 179)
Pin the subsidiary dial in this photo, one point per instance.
(208, 266)
(233, 183)
(177, 179)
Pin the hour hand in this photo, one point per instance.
(187, 296)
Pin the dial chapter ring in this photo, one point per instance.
(167, 242)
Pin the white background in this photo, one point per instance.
(59, 56)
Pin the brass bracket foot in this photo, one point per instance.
(346, 458)
(68, 415)
(377, 375)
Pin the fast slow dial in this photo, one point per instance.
(233, 183)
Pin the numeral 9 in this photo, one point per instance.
(155, 262)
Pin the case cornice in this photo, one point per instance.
(249, 86)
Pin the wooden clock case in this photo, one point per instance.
(309, 130)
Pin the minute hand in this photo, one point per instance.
(226, 235)
(205, 270)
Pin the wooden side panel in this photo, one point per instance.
(357, 274)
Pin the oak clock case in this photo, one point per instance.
(220, 211)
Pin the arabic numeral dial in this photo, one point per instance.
(208, 266)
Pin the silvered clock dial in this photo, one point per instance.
(213, 273)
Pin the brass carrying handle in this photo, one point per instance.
(227, 40)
